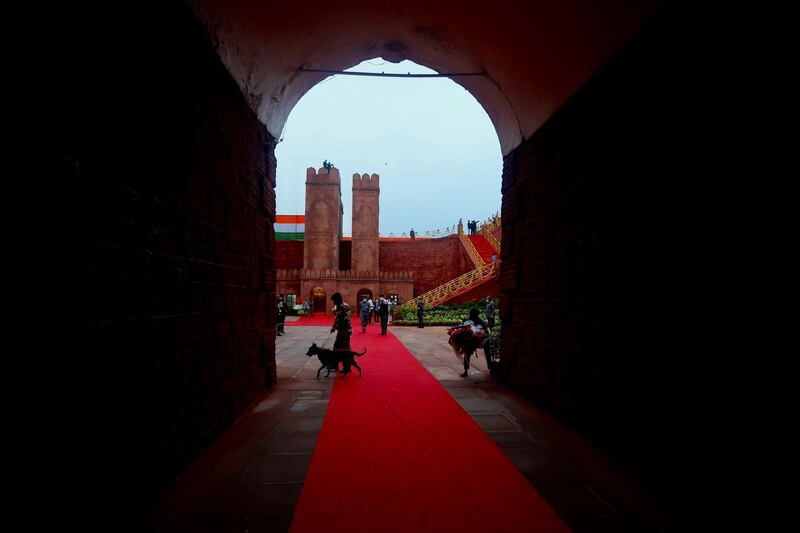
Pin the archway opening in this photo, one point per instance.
(318, 300)
(426, 163)
(432, 143)
(362, 293)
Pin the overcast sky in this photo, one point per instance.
(431, 142)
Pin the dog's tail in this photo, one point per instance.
(360, 354)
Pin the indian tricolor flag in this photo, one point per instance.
(290, 227)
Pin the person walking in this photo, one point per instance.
(341, 323)
(467, 338)
(371, 305)
(412, 234)
(384, 314)
(420, 310)
(364, 310)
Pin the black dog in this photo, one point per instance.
(330, 359)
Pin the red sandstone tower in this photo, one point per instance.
(320, 276)
(323, 219)
(366, 195)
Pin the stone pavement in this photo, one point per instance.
(251, 477)
(587, 489)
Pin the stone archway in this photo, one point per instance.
(529, 56)
(363, 292)
(318, 300)
(204, 177)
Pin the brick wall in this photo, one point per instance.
(288, 255)
(162, 252)
(601, 225)
(434, 261)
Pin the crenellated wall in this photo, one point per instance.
(287, 274)
(348, 282)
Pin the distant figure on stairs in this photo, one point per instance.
(420, 309)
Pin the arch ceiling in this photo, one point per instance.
(536, 53)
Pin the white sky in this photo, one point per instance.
(432, 143)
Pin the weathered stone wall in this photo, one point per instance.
(600, 270)
(160, 253)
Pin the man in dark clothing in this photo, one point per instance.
(341, 323)
(384, 313)
(490, 312)
(420, 309)
(281, 316)
(364, 311)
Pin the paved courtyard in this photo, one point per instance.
(251, 478)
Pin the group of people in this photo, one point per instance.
(465, 339)
(380, 309)
(472, 228)
(368, 308)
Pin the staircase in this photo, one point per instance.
(480, 251)
(492, 239)
(454, 287)
(482, 246)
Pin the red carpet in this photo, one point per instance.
(482, 246)
(397, 453)
(321, 319)
(317, 319)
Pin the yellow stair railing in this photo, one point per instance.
(492, 240)
(442, 292)
(473, 253)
